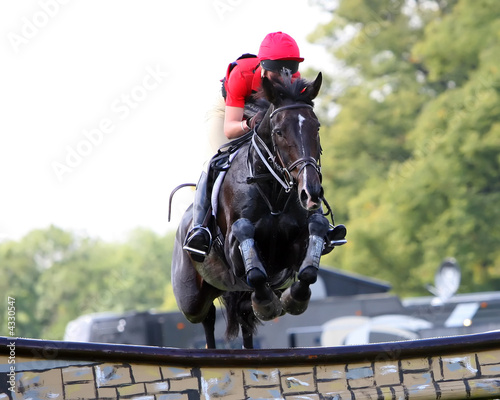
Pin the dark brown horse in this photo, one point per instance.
(271, 229)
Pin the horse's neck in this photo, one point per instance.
(264, 129)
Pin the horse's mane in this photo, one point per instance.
(285, 89)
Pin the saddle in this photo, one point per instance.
(222, 160)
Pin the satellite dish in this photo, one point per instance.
(446, 281)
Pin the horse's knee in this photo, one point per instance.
(243, 229)
(318, 225)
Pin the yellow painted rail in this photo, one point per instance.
(458, 367)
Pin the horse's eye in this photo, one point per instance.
(277, 132)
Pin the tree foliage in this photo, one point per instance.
(412, 158)
(56, 276)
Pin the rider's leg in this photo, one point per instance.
(199, 238)
(214, 125)
(334, 237)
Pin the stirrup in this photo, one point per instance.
(193, 250)
(335, 237)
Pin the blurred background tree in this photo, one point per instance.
(412, 158)
(56, 276)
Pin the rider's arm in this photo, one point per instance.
(234, 125)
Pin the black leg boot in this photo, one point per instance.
(335, 237)
(199, 239)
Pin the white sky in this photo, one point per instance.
(143, 71)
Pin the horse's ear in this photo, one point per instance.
(268, 88)
(313, 90)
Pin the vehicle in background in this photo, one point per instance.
(344, 309)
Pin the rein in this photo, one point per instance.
(286, 171)
(286, 185)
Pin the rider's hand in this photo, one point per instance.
(255, 120)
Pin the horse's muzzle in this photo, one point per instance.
(310, 193)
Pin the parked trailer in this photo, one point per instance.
(345, 309)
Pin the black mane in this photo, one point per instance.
(286, 90)
(294, 91)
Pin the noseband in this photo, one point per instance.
(286, 180)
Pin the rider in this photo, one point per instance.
(278, 50)
(226, 121)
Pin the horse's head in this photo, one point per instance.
(293, 132)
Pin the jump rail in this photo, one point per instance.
(456, 367)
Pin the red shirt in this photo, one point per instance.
(243, 80)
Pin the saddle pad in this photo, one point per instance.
(218, 184)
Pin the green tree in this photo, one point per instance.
(56, 276)
(23, 263)
(456, 145)
(111, 277)
(413, 154)
(379, 95)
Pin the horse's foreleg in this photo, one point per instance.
(244, 231)
(318, 228)
(265, 303)
(296, 298)
(209, 327)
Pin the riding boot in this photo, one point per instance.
(334, 237)
(199, 239)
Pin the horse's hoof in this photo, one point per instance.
(256, 277)
(268, 309)
(292, 305)
(308, 275)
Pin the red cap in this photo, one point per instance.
(279, 46)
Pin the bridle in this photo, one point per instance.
(281, 172)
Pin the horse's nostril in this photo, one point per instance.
(304, 197)
(309, 202)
